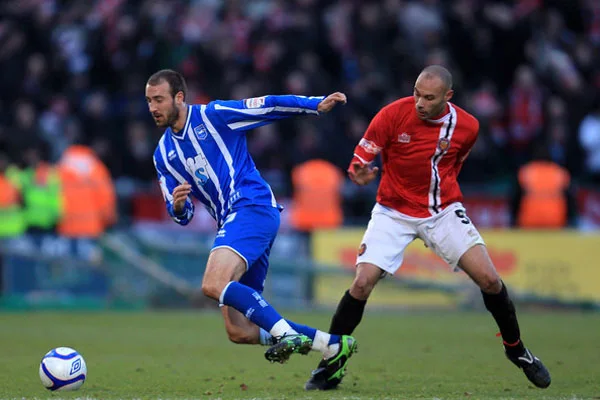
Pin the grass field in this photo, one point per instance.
(401, 356)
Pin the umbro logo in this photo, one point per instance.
(404, 137)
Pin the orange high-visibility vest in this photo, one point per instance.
(88, 194)
(543, 204)
(317, 200)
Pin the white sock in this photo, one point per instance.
(282, 328)
(321, 343)
(265, 338)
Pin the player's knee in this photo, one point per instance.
(361, 287)
(211, 289)
(491, 284)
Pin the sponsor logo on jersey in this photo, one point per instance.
(369, 146)
(201, 132)
(443, 144)
(404, 137)
(255, 102)
(362, 249)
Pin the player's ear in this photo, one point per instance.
(449, 94)
(179, 98)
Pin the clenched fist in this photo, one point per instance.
(180, 195)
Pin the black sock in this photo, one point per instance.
(347, 315)
(503, 311)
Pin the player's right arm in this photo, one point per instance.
(361, 170)
(175, 193)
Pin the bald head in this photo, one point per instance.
(437, 71)
(433, 89)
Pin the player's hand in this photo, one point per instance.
(330, 101)
(180, 195)
(362, 174)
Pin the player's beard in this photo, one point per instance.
(173, 116)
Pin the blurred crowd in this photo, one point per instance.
(73, 73)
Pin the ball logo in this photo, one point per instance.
(362, 249)
(75, 366)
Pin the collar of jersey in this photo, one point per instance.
(181, 134)
(440, 120)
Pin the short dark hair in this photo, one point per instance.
(173, 78)
(440, 72)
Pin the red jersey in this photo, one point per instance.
(421, 159)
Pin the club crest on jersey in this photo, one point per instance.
(362, 249)
(201, 132)
(255, 102)
(404, 137)
(443, 144)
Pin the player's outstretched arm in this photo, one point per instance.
(243, 115)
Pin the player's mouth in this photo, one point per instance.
(422, 113)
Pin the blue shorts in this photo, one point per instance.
(250, 232)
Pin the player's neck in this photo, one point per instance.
(445, 111)
(180, 123)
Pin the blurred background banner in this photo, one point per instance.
(535, 264)
(82, 220)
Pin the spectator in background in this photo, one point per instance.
(589, 139)
(40, 188)
(525, 114)
(11, 210)
(543, 200)
(88, 194)
(317, 190)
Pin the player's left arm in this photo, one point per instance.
(242, 115)
(468, 146)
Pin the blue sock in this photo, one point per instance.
(335, 339)
(303, 329)
(312, 332)
(250, 303)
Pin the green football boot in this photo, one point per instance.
(288, 345)
(331, 371)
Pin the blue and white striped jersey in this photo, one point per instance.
(210, 153)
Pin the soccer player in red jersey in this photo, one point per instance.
(423, 141)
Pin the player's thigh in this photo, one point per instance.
(385, 240)
(223, 266)
(476, 263)
(250, 232)
(451, 234)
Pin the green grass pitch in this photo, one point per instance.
(186, 355)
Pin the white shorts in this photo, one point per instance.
(449, 234)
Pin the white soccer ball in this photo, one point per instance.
(63, 369)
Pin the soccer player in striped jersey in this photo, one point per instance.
(423, 140)
(203, 153)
